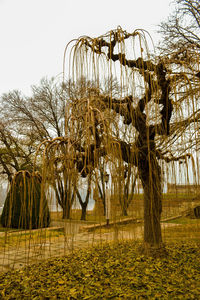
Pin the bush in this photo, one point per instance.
(25, 206)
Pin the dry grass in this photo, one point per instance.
(187, 232)
(24, 239)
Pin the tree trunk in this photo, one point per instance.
(124, 206)
(66, 211)
(152, 214)
(150, 176)
(104, 205)
(124, 212)
(83, 211)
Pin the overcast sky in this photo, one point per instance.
(34, 33)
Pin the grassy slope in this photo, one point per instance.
(115, 271)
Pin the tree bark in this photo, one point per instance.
(66, 211)
(83, 211)
(150, 175)
(124, 212)
(84, 204)
(102, 196)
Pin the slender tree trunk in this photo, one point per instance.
(150, 176)
(128, 193)
(83, 211)
(102, 195)
(124, 212)
(104, 206)
(66, 211)
(84, 204)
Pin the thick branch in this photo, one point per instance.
(172, 158)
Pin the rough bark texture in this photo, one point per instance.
(83, 212)
(151, 181)
(66, 211)
(84, 204)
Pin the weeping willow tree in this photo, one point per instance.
(149, 122)
(59, 172)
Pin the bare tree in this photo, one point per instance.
(15, 152)
(180, 49)
(181, 32)
(84, 200)
(41, 115)
(28, 121)
(180, 45)
(58, 170)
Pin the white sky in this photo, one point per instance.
(34, 33)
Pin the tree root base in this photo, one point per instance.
(155, 251)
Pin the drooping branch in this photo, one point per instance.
(115, 37)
